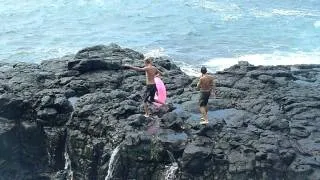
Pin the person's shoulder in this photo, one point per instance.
(211, 76)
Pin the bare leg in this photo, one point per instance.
(203, 112)
(145, 105)
(206, 108)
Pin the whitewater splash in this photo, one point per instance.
(170, 170)
(67, 165)
(158, 52)
(276, 58)
(316, 24)
(112, 161)
(281, 58)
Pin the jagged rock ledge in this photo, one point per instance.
(80, 116)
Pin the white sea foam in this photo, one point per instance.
(217, 6)
(260, 13)
(316, 24)
(228, 11)
(218, 64)
(290, 12)
(190, 70)
(283, 58)
(155, 52)
(283, 12)
(276, 58)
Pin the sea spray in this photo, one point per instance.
(67, 165)
(170, 170)
(113, 160)
(50, 148)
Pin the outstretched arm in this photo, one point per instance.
(134, 68)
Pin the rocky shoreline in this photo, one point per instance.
(80, 117)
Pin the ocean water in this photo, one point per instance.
(215, 33)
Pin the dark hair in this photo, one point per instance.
(203, 70)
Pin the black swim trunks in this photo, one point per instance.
(150, 92)
(204, 97)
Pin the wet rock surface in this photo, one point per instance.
(64, 118)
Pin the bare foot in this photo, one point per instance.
(203, 121)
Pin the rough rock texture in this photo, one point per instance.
(80, 116)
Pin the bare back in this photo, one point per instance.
(206, 83)
(151, 72)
